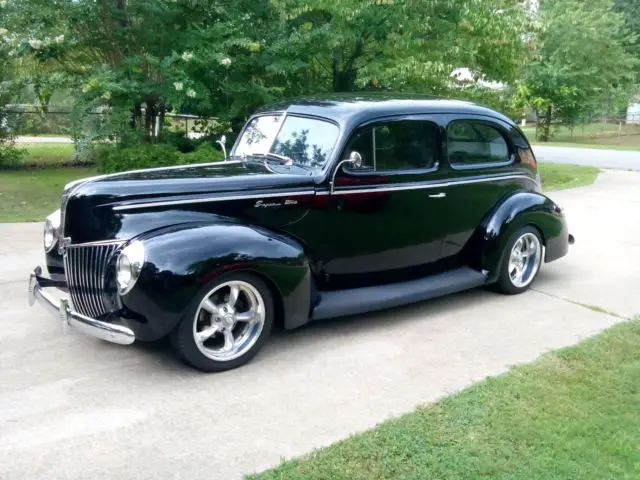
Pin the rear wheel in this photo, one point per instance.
(521, 261)
(228, 324)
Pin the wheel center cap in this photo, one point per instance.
(228, 320)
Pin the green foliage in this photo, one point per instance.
(630, 10)
(112, 159)
(10, 156)
(581, 62)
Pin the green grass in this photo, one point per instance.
(589, 145)
(559, 177)
(30, 195)
(595, 135)
(575, 413)
(46, 153)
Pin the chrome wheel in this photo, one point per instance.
(524, 260)
(229, 321)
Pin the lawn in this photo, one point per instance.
(559, 177)
(575, 413)
(30, 195)
(595, 135)
(46, 153)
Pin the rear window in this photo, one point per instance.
(471, 143)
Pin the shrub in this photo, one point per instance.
(10, 156)
(205, 153)
(113, 159)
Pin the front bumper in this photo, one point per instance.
(89, 326)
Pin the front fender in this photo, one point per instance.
(484, 250)
(181, 260)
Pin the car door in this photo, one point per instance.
(383, 220)
(483, 167)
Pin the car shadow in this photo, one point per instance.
(290, 346)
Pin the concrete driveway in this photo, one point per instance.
(613, 159)
(74, 407)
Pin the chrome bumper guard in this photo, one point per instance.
(70, 319)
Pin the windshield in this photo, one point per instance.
(307, 141)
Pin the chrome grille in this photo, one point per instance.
(85, 268)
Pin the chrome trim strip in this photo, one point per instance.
(213, 199)
(311, 192)
(96, 243)
(426, 186)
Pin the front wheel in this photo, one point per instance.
(521, 261)
(230, 321)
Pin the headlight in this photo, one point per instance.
(51, 229)
(129, 266)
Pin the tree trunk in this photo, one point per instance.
(149, 116)
(544, 134)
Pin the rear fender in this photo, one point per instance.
(182, 260)
(484, 250)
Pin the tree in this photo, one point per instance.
(580, 61)
(142, 58)
(346, 45)
(630, 10)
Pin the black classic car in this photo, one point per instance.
(324, 207)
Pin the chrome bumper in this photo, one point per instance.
(70, 319)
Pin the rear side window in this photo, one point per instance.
(397, 146)
(472, 143)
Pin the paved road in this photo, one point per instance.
(26, 139)
(73, 407)
(613, 159)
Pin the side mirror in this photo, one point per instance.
(355, 159)
(222, 142)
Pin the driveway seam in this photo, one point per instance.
(593, 308)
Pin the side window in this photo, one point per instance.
(404, 145)
(473, 143)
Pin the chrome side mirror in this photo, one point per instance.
(355, 159)
(222, 142)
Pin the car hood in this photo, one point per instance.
(95, 208)
(219, 178)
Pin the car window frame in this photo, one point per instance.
(512, 158)
(431, 118)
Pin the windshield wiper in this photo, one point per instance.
(283, 159)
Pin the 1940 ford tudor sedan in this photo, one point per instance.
(324, 207)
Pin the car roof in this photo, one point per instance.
(356, 108)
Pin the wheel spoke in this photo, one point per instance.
(206, 334)
(229, 340)
(513, 273)
(234, 291)
(247, 316)
(518, 246)
(210, 307)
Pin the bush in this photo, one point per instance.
(205, 153)
(113, 159)
(10, 156)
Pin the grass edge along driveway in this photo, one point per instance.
(30, 195)
(574, 413)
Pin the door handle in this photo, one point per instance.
(438, 195)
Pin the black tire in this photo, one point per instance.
(505, 283)
(182, 337)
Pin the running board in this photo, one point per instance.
(338, 303)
